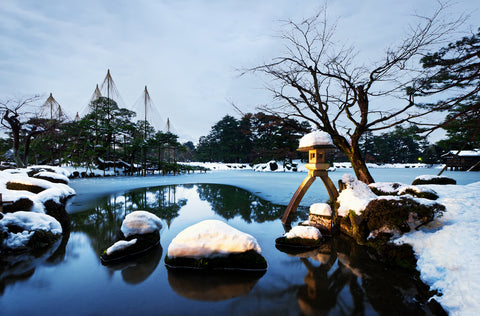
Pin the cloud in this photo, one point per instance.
(185, 51)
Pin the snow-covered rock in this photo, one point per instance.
(21, 226)
(322, 209)
(139, 234)
(355, 197)
(140, 222)
(211, 238)
(315, 138)
(305, 232)
(120, 245)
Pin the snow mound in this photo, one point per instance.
(140, 222)
(315, 138)
(29, 222)
(305, 232)
(355, 197)
(211, 238)
(320, 209)
(120, 245)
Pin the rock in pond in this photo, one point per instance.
(214, 245)
(28, 231)
(139, 234)
(299, 239)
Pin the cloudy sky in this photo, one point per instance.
(187, 52)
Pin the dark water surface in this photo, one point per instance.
(340, 278)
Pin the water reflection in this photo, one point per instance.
(212, 286)
(20, 267)
(229, 202)
(350, 279)
(103, 222)
(137, 270)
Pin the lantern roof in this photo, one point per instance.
(315, 140)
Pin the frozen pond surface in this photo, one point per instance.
(341, 278)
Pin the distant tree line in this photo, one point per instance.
(253, 138)
(107, 136)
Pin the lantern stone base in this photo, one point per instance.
(322, 222)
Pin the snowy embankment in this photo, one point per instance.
(448, 250)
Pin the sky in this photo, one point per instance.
(189, 53)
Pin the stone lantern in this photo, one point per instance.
(316, 144)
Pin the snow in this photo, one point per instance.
(355, 197)
(52, 175)
(306, 232)
(211, 238)
(120, 245)
(29, 222)
(320, 209)
(140, 222)
(315, 138)
(448, 250)
(463, 153)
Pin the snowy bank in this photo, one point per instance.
(448, 250)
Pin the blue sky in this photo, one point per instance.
(187, 52)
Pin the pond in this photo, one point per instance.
(339, 278)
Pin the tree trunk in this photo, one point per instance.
(359, 166)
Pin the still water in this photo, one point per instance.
(340, 278)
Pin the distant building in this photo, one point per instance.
(465, 160)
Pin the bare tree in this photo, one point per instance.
(320, 81)
(14, 114)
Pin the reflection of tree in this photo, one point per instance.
(103, 222)
(20, 267)
(388, 290)
(230, 201)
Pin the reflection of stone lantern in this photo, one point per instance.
(317, 144)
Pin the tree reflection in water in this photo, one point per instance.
(351, 280)
(229, 201)
(102, 223)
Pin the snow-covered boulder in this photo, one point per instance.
(320, 216)
(431, 179)
(355, 197)
(24, 193)
(393, 188)
(139, 234)
(52, 177)
(27, 230)
(139, 223)
(213, 245)
(303, 237)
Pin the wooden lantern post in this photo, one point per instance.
(317, 167)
